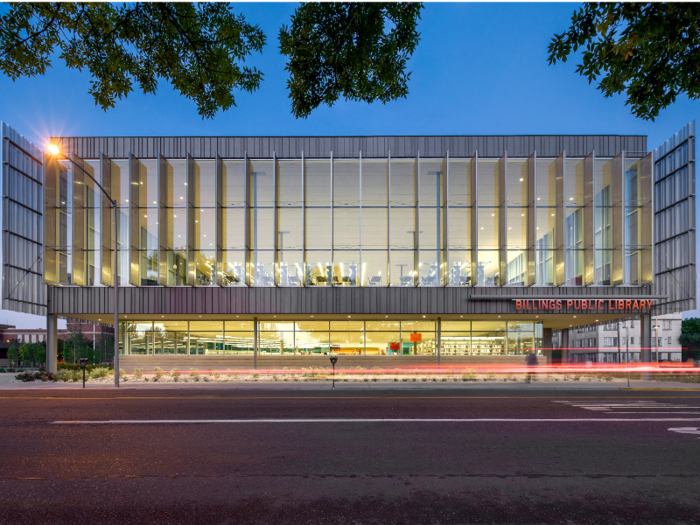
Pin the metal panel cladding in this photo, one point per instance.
(23, 288)
(675, 273)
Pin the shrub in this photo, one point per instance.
(256, 376)
(138, 374)
(158, 371)
(122, 375)
(37, 376)
(175, 374)
(99, 372)
(215, 375)
(194, 374)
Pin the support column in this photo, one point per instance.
(438, 345)
(645, 332)
(51, 343)
(255, 343)
(547, 344)
(565, 346)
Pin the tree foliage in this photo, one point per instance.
(650, 51)
(28, 353)
(690, 334)
(197, 47)
(355, 50)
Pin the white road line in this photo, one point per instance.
(484, 420)
(686, 430)
(656, 412)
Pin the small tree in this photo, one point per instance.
(104, 348)
(13, 353)
(39, 353)
(77, 346)
(26, 354)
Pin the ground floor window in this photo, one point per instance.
(310, 337)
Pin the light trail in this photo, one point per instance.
(350, 420)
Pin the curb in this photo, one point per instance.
(661, 389)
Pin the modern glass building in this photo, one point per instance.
(400, 249)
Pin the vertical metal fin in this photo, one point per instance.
(444, 241)
(164, 182)
(618, 220)
(247, 221)
(475, 218)
(51, 181)
(79, 228)
(503, 219)
(219, 175)
(589, 193)
(531, 216)
(107, 228)
(646, 182)
(191, 245)
(134, 223)
(560, 254)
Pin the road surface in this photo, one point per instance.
(375, 457)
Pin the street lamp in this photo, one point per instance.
(115, 272)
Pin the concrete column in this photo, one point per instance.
(255, 343)
(51, 343)
(565, 346)
(645, 332)
(438, 344)
(547, 344)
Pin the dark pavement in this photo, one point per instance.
(591, 468)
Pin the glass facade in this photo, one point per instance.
(397, 338)
(423, 222)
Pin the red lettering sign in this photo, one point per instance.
(583, 304)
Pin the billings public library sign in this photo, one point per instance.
(584, 305)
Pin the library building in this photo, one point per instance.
(384, 250)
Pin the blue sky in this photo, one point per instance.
(479, 69)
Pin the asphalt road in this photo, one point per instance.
(426, 457)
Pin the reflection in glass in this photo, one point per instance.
(459, 271)
(402, 272)
(319, 270)
(374, 268)
(233, 268)
(383, 343)
(291, 268)
(205, 268)
(346, 268)
(177, 268)
(149, 267)
(488, 268)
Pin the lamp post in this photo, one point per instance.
(115, 279)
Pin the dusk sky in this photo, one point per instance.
(479, 69)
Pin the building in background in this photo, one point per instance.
(620, 341)
(10, 334)
(235, 250)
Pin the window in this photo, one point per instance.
(591, 342)
(668, 341)
(610, 341)
(666, 324)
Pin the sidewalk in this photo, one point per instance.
(7, 382)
